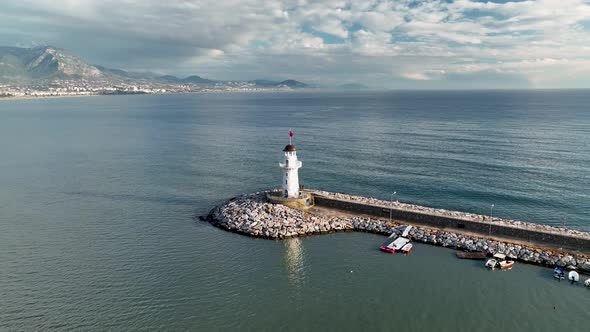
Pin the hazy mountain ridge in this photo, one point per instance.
(51, 63)
(43, 63)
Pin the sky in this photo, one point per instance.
(382, 44)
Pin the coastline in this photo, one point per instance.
(252, 215)
(29, 97)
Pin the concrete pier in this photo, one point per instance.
(254, 215)
(457, 221)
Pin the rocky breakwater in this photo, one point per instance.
(454, 214)
(252, 215)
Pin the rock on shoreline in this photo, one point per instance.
(252, 215)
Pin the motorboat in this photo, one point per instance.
(506, 264)
(396, 245)
(407, 248)
(499, 261)
(558, 273)
(387, 248)
(401, 243)
(587, 282)
(491, 263)
(573, 276)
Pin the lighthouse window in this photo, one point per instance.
(285, 181)
(287, 162)
(286, 174)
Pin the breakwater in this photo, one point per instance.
(252, 215)
(545, 235)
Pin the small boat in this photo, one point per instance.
(506, 265)
(491, 263)
(558, 273)
(587, 282)
(407, 231)
(499, 261)
(407, 248)
(471, 254)
(573, 276)
(388, 248)
(401, 243)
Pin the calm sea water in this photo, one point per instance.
(98, 196)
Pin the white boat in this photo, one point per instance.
(573, 276)
(407, 231)
(491, 263)
(402, 243)
(406, 249)
(499, 261)
(398, 243)
(506, 265)
(587, 282)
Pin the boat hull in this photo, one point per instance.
(407, 248)
(573, 276)
(387, 249)
(506, 265)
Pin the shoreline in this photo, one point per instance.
(252, 215)
(29, 97)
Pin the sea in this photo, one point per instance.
(99, 199)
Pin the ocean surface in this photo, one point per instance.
(98, 199)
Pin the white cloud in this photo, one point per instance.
(540, 41)
(416, 76)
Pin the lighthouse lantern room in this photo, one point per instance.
(290, 168)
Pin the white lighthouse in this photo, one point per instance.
(290, 169)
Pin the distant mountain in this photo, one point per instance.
(127, 74)
(265, 83)
(168, 79)
(277, 84)
(49, 63)
(43, 62)
(195, 79)
(292, 84)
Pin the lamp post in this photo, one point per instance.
(491, 219)
(391, 205)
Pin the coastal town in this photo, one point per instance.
(74, 87)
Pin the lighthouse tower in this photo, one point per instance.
(290, 169)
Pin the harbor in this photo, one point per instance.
(253, 215)
(292, 211)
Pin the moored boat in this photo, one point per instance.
(499, 261)
(406, 249)
(587, 282)
(573, 276)
(506, 265)
(401, 243)
(491, 263)
(558, 273)
(387, 248)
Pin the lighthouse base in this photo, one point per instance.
(303, 202)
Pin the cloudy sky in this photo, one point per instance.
(383, 44)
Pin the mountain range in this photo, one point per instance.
(30, 65)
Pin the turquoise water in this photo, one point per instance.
(98, 197)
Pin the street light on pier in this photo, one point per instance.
(391, 205)
(491, 219)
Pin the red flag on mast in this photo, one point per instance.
(290, 133)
